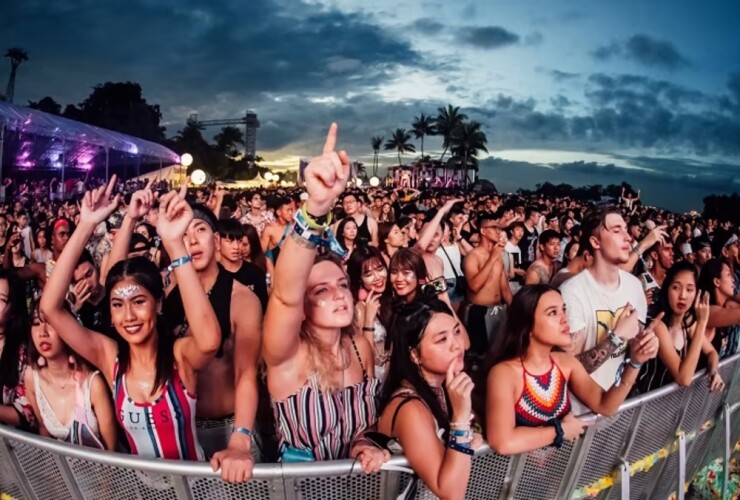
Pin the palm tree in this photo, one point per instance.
(228, 139)
(360, 170)
(377, 143)
(16, 56)
(448, 119)
(423, 125)
(401, 142)
(466, 142)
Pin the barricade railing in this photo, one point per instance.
(651, 448)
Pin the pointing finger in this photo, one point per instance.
(184, 187)
(111, 184)
(331, 139)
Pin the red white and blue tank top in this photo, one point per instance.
(543, 397)
(164, 428)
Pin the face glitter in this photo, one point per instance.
(126, 291)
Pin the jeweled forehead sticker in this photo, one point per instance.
(126, 291)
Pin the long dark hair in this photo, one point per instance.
(16, 330)
(256, 255)
(357, 259)
(711, 270)
(513, 341)
(411, 319)
(340, 231)
(663, 305)
(403, 259)
(146, 274)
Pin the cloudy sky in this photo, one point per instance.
(569, 91)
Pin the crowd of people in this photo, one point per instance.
(323, 323)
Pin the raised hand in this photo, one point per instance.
(372, 306)
(459, 389)
(142, 201)
(326, 176)
(449, 203)
(645, 346)
(97, 205)
(174, 217)
(81, 293)
(701, 306)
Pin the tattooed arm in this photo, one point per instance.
(592, 359)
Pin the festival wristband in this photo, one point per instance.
(315, 222)
(634, 364)
(242, 430)
(174, 265)
(559, 434)
(323, 236)
(459, 448)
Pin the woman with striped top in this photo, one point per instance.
(321, 380)
(152, 375)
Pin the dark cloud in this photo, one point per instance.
(652, 52)
(186, 55)
(427, 26)
(560, 101)
(487, 37)
(645, 50)
(561, 76)
(606, 52)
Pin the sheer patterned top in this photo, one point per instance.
(52, 422)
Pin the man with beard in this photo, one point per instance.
(662, 258)
(544, 268)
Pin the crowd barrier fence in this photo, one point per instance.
(650, 449)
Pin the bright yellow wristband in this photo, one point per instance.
(312, 224)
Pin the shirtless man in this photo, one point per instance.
(544, 268)
(274, 234)
(488, 286)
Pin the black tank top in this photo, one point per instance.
(220, 299)
(363, 231)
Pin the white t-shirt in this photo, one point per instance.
(454, 252)
(515, 254)
(596, 310)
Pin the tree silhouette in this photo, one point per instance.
(17, 56)
(228, 139)
(47, 105)
(401, 142)
(466, 142)
(422, 126)
(377, 143)
(448, 119)
(120, 107)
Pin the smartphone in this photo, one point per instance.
(648, 282)
(435, 287)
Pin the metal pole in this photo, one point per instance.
(64, 148)
(2, 143)
(160, 169)
(107, 158)
(138, 166)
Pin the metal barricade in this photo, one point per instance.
(651, 446)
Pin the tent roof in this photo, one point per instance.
(37, 124)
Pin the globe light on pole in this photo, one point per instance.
(198, 177)
(374, 181)
(186, 160)
(268, 176)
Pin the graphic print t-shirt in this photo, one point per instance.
(596, 310)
